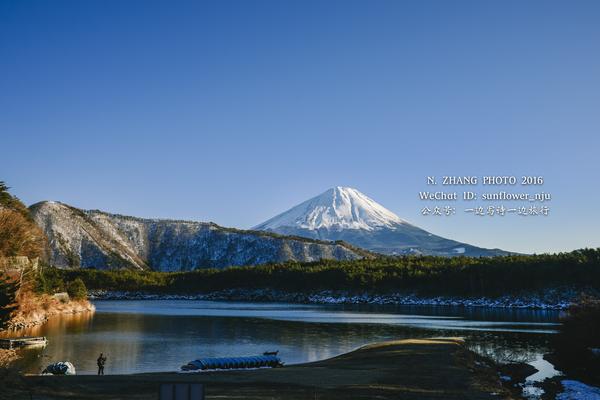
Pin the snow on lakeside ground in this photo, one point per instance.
(575, 390)
(549, 299)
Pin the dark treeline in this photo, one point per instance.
(426, 275)
(578, 335)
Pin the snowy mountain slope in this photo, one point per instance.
(343, 213)
(95, 239)
(336, 209)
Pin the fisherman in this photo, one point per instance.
(101, 360)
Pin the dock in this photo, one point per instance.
(13, 343)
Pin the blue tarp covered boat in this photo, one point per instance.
(233, 362)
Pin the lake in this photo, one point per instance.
(162, 335)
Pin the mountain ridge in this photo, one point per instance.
(96, 239)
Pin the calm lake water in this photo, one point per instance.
(162, 335)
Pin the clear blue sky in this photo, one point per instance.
(233, 111)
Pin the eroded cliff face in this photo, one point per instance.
(95, 239)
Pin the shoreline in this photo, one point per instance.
(323, 377)
(46, 307)
(552, 299)
(409, 369)
(41, 308)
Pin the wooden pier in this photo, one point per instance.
(12, 343)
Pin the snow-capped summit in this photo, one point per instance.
(343, 213)
(336, 209)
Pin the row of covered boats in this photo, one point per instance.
(266, 360)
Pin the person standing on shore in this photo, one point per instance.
(101, 360)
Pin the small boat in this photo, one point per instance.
(60, 368)
(271, 353)
(41, 341)
(233, 363)
(28, 341)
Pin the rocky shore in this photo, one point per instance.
(36, 310)
(552, 299)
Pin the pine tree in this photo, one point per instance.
(8, 290)
(77, 289)
(11, 202)
(19, 235)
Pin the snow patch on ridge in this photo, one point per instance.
(336, 209)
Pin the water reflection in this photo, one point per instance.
(142, 336)
(73, 322)
(509, 347)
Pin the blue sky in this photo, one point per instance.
(233, 111)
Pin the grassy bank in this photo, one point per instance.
(406, 369)
(458, 276)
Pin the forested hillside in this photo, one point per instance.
(428, 275)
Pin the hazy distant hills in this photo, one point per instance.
(95, 239)
(343, 213)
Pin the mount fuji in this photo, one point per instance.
(343, 213)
